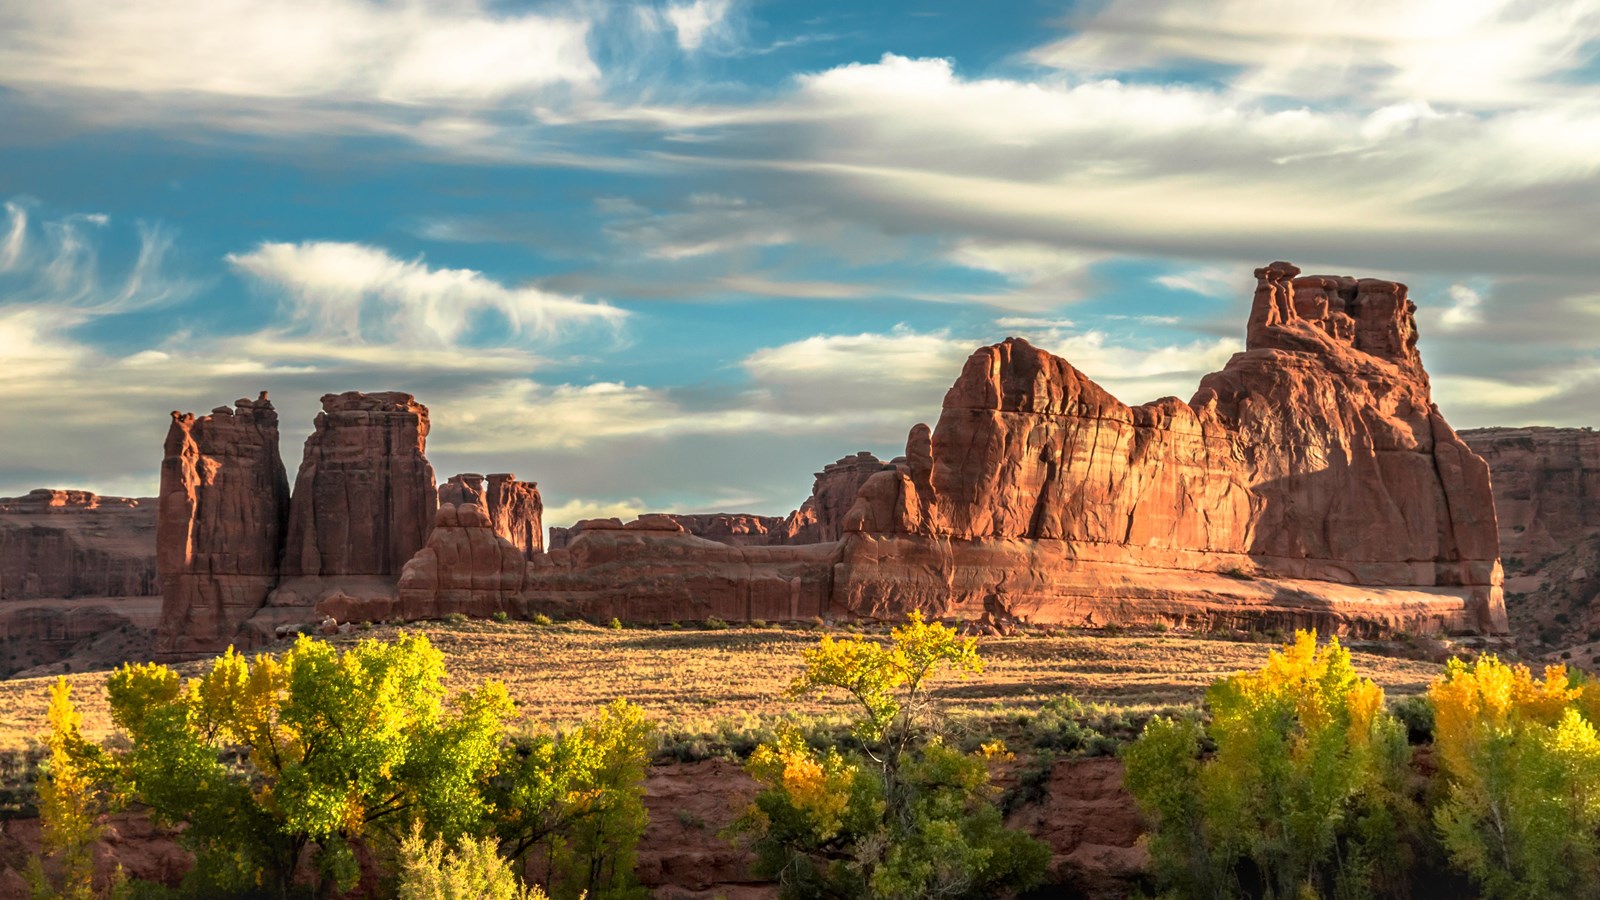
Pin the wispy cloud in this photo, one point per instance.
(357, 292)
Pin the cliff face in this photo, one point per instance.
(364, 500)
(65, 544)
(1547, 493)
(1315, 455)
(219, 531)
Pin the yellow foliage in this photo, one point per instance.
(817, 785)
(1491, 698)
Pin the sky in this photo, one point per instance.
(679, 255)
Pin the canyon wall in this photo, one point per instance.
(1547, 494)
(77, 580)
(514, 508)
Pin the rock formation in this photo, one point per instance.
(365, 499)
(463, 488)
(64, 544)
(219, 530)
(1547, 495)
(819, 519)
(514, 508)
(1316, 456)
(516, 511)
(833, 493)
(466, 567)
(1311, 482)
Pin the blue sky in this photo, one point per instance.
(679, 255)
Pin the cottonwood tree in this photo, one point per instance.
(908, 816)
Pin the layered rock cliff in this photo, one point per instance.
(78, 580)
(1547, 494)
(223, 508)
(64, 544)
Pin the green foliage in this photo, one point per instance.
(471, 870)
(542, 619)
(910, 817)
(1521, 761)
(615, 624)
(574, 803)
(501, 616)
(1304, 797)
(267, 759)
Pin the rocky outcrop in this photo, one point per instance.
(1315, 457)
(66, 544)
(821, 517)
(818, 520)
(516, 512)
(514, 508)
(219, 532)
(466, 567)
(1309, 483)
(365, 496)
(1547, 495)
(1546, 489)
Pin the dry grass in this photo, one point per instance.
(693, 681)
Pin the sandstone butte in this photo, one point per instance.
(1311, 482)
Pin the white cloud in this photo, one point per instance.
(16, 232)
(1480, 53)
(361, 293)
(417, 52)
(564, 514)
(1466, 308)
(1209, 281)
(698, 22)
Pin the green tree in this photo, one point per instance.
(1304, 797)
(472, 869)
(269, 759)
(907, 818)
(573, 804)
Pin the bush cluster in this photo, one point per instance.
(279, 769)
(1311, 790)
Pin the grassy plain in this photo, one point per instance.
(710, 682)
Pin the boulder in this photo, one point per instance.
(220, 523)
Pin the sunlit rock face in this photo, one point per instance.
(1315, 457)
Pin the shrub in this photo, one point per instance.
(1305, 795)
(1521, 762)
(715, 624)
(336, 746)
(909, 816)
(1416, 714)
(471, 870)
(501, 616)
(574, 803)
(456, 618)
(542, 619)
(615, 624)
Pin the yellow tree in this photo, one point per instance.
(70, 802)
(1304, 795)
(1522, 763)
